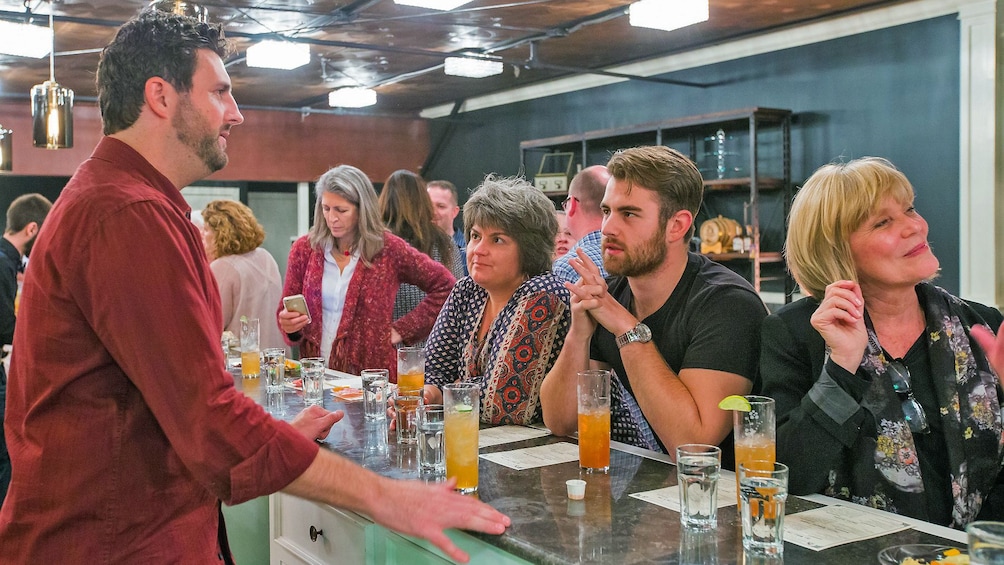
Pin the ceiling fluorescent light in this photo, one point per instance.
(25, 40)
(272, 54)
(352, 97)
(472, 68)
(433, 4)
(668, 14)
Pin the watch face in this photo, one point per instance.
(643, 333)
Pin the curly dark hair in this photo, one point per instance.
(235, 229)
(153, 44)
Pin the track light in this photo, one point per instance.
(472, 67)
(352, 97)
(668, 15)
(271, 54)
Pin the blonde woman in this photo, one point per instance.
(886, 385)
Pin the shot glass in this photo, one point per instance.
(431, 457)
(250, 349)
(763, 490)
(411, 370)
(986, 542)
(312, 374)
(462, 402)
(275, 403)
(406, 410)
(697, 469)
(594, 420)
(275, 368)
(375, 393)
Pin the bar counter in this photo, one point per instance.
(608, 526)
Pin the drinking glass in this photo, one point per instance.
(754, 432)
(406, 410)
(431, 460)
(763, 489)
(275, 368)
(312, 375)
(411, 370)
(462, 403)
(250, 349)
(594, 420)
(375, 393)
(986, 543)
(697, 469)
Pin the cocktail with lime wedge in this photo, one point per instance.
(462, 405)
(753, 427)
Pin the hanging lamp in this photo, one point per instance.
(52, 107)
(6, 149)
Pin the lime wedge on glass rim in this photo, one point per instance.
(735, 402)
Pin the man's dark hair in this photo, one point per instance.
(26, 209)
(153, 44)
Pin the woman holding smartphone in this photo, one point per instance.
(348, 268)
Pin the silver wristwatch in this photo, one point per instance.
(639, 333)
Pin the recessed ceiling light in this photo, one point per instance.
(472, 67)
(271, 54)
(433, 4)
(352, 97)
(25, 40)
(668, 15)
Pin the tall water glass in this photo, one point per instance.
(697, 469)
(986, 543)
(763, 490)
(410, 370)
(431, 458)
(312, 375)
(275, 368)
(375, 393)
(250, 349)
(754, 432)
(594, 420)
(462, 403)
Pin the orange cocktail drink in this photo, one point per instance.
(410, 370)
(410, 383)
(461, 404)
(594, 420)
(755, 438)
(250, 363)
(594, 439)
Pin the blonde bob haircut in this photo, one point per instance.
(833, 204)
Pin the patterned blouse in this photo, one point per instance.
(519, 349)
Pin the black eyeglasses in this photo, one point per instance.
(564, 203)
(913, 412)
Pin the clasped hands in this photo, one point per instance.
(592, 303)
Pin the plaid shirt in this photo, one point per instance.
(591, 244)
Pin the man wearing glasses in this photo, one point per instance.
(582, 208)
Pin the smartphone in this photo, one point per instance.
(296, 303)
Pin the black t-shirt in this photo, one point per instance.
(710, 321)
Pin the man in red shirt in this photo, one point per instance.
(125, 433)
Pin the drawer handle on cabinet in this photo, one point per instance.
(314, 532)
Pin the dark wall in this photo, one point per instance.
(12, 186)
(892, 93)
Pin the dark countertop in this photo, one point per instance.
(608, 526)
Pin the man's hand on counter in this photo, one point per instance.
(433, 508)
(315, 422)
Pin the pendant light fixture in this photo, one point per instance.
(6, 149)
(183, 8)
(52, 106)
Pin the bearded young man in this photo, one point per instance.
(125, 432)
(679, 331)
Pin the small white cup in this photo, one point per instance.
(576, 489)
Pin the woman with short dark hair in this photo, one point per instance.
(504, 324)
